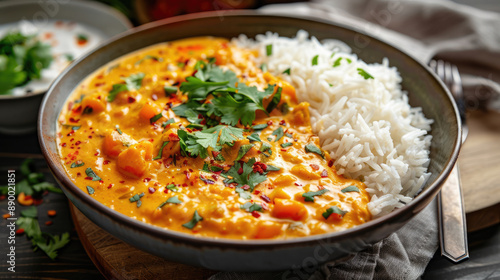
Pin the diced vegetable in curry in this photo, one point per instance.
(193, 136)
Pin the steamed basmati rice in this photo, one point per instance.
(367, 125)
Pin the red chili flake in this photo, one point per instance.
(203, 121)
(165, 190)
(184, 185)
(215, 177)
(173, 137)
(110, 186)
(2, 197)
(320, 187)
(88, 178)
(151, 140)
(188, 175)
(63, 144)
(246, 187)
(37, 201)
(255, 214)
(106, 162)
(71, 140)
(99, 84)
(20, 231)
(73, 120)
(298, 185)
(215, 153)
(96, 154)
(270, 123)
(77, 109)
(282, 122)
(101, 181)
(130, 99)
(283, 150)
(256, 192)
(259, 167)
(265, 198)
(78, 174)
(324, 174)
(121, 182)
(145, 180)
(314, 166)
(330, 163)
(154, 97)
(240, 171)
(48, 223)
(90, 136)
(151, 190)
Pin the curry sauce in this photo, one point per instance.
(194, 136)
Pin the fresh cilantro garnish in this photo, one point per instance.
(263, 67)
(285, 145)
(197, 143)
(77, 164)
(315, 60)
(244, 150)
(132, 82)
(309, 196)
(153, 119)
(338, 60)
(250, 207)
(22, 59)
(289, 135)
(269, 50)
(364, 74)
(90, 190)
(160, 152)
(272, 168)
(170, 89)
(196, 218)
(172, 187)
(46, 242)
(246, 176)
(350, 189)
(260, 126)
(152, 57)
(243, 194)
(287, 71)
(205, 167)
(266, 147)
(278, 133)
(137, 198)
(254, 137)
(92, 174)
(275, 101)
(82, 37)
(332, 210)
(169, 121)
(311, 148)
(173, 200)
(215, 168)
(118, 129)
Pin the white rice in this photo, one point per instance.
(366, 125)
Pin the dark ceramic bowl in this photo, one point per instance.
(424, 89)
(18, 114)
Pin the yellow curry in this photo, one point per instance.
(194, 136)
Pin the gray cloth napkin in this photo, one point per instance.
(426, 29)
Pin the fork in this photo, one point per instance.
(452, 224)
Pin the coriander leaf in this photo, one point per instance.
(55, 243)
(250, 207)
(265, 146)
(170, 89)
(172, 187)
(311, 148)
(90, 190)
(183, 108)
(198, 89)
(287, 71)
(350, 189)
(260, 126)
(234, 111)
(315, 60)
(169, 121)
(206, 139)
(174, 200)
(153, 119)
(117, 88)
(77, 164)
(309, 196)
(278, 133)
(254, 137)
(247, 177)
(134, 81)
(275, 101)
(92, 174)
(333, 209)
(243, 194)
(118, 129)
(338, 60)
(364, 74)
(263, 67)
(205, 167)
(196, 218)
(46, 186)
(285, 145)
(269, 50)
(272, 168)
(243, 151)
(27, 167)
(155, 58)
(160, 152)
(215, 168)
(30, 212)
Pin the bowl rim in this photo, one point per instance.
(76, 4)
(175, 236)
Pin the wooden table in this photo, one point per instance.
(480, 156)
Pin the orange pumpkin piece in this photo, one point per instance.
(289, 209)
(113, 144)
(268, 229)
(134, 160)
(92, 102)
(148, 111)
